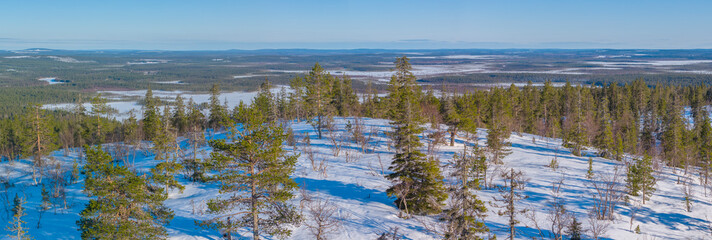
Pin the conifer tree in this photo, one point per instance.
(510, 195)
(254, 176)
(40, 139)
(704, 143)
(17, 226)
(101, 111)
(451, 117)
(264, 102)
(465, 218)
(166, 148)
(640, 178)
(499, 115)
(151, 117)
(218, 113)
(179, 118)
(604, 140)
(417, 181)
(574, 230)
(122, 204)
(196, 137)
(318, 96)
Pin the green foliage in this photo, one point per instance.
(123, 205)
(499, 113)
(574, 229)
(640, 178)
(589, 172)
(465, 218)
(17, 226)
(417, 180)
(254, 174)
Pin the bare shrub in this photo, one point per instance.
(607, 192)
(323, 219)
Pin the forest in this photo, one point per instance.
(649, 122)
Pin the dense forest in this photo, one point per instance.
(618, 118)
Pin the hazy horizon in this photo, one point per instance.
(222, 25)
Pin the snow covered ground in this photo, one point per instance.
(119, 100)
(356, 185)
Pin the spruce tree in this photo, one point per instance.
(465, 218)
(218, 113)
(179, 118)
(17, 226)
(499, 116)
(574, 230)
(318, 96)
(509, 196)
(451, 117)
(151, 117)
(122, 205)
(101, 111)
(254, 174)
(166, 148)
(640, 178)
(417, 181)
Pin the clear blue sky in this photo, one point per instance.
(232, 24)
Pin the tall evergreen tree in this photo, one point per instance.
(640, 178)
(151, 118)
(318, 96)
(465, 218)
(498, 118)
(166, 148)
(254, 176)
(40, 138)
(123, 205)
(218, 113)
(417, 181)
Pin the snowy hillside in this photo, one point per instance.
(354, 183)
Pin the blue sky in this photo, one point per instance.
(218, 24)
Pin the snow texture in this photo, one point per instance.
(358, 188)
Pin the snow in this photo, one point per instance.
(650, 63)
(172, 82)
(358, 188)
(17, 57)
(67, 59)
(50, 80)
(119, 100)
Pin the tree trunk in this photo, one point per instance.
(255, 213)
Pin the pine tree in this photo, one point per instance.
(604, 140)
(17, 228)
(40, 139)
(151, 117)
(704, 145)
(254, 176)
(166, 149)
(264, 102)
(123, 205)
(499, 116)
(589, 172)
(417, 181)
(451, 117)
(510, 195)
(101, 111)
(640, 178)
(465, 218)
(196, 136)
(318, 96)
(574, 230)
(218, 113)
(179, 118)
